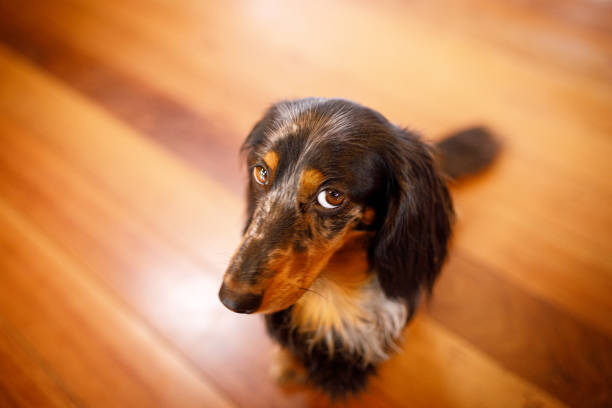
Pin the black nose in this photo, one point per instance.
(239, 302)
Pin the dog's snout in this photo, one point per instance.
(239, 302)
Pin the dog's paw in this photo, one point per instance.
(286, 370)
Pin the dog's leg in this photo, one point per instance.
(286, 369)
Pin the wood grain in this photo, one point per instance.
(120, 125)
(454, 375)
(541, 352)
(91, 343)
(32, 382)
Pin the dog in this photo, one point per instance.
(348, 222)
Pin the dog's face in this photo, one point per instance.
(322, 173)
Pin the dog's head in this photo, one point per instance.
(321, 173)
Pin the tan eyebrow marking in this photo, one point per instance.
(368, 216)
(271, 159)
(310, 180)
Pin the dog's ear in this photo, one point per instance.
(411, 243)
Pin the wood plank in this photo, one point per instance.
(184, 131)
(523, 333)
(32, 383)
(74, 324)
(146, 52)
(436, 363)
(534, 30)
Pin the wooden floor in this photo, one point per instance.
(121, 194)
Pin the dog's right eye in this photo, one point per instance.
(260, 174)
(330, 198)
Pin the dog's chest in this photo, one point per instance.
(355, 319)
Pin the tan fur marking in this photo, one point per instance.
(349, 265)
(271, 159)
(310, 180)
(315, 311)
(284, 287)
(287, 370)
(368, 217)
(347, 271)
(297, 272)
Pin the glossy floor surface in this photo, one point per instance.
(121, 194)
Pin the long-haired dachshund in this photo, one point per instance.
(349, 219)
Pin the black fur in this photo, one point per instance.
(467, 152)
(411, 244)
(336, 374)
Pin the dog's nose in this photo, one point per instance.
(239, 302)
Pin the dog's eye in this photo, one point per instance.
(330, 198)
(260, 174)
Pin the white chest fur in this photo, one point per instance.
(361, 318)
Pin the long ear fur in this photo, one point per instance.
(411, 244)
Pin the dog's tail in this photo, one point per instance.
(467, 151)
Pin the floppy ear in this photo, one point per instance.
(411, 244)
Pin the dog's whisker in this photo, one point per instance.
(310, 290)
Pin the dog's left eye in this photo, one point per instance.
(330, 198)
(260, 174)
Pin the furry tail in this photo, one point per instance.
(467, 151)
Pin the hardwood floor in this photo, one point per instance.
(121, 194)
